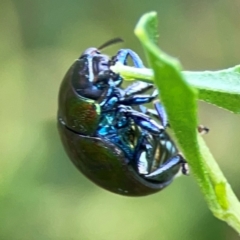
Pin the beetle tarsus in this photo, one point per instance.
(165, 170)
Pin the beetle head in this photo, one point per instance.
(100, 63)
(91, 73)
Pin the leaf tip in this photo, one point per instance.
(143, 21)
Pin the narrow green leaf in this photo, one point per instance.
(179, 100)
(221, 88)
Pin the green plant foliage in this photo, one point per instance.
(180, 102)
(221, 88)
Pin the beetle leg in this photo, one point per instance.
(159, 113)
(117, 97)
(122, 56)
(129, 96)
(130, 100)
(143, 159)
(143, 153)
(137, 87)
(146, 123)
(166, 169)
(164, 119)
(138, 99)
(140, 119)
(110, 96)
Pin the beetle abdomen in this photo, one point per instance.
(105, 164)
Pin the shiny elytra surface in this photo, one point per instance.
(78, 113)
(104, 164)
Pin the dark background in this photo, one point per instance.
(42, 195)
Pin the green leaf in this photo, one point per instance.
(220, 88)
(180, 101)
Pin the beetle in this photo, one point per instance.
(108, 133)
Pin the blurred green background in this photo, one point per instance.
(42, 195)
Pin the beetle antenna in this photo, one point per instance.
(110, 42)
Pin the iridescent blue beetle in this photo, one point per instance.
(108, 134)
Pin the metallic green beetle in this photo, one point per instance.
(108, 134)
